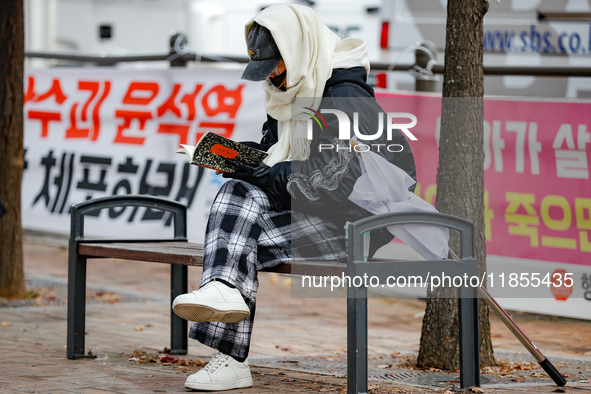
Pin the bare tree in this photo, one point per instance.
(11, 145)
(460, 176)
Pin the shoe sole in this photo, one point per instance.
(204, 313)
(235, 384)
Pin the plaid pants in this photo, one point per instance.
(246, 232)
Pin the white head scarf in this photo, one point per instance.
(310, 51)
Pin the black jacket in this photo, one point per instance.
(322, 184)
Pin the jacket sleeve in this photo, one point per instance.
(269, 131)
(322, 183)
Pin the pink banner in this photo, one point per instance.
(537, 189)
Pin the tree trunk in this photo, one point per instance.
(11, 145)
(460, 177)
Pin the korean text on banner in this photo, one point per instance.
(96, 132)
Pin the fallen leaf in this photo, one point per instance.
(6, 324)
(476, 389)
(139, 328)
(287, 380)
(284, 348)
(133, 359)
(167, 359)
(144, 357)
(447, 392)
(202, 363)
(384, 366)
(518, 380)
(150, 376)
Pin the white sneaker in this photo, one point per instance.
(213, 302)
(221, 373)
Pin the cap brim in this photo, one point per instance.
(258, 70)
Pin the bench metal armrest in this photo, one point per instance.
(360, 227)
(77, 266)
(178, 210)
(357, 296)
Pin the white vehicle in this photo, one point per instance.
(513, 33)
(213, 27)
(127, 27)
(516, 32)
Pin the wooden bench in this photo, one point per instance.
(179, 253)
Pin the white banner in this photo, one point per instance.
(94, 132)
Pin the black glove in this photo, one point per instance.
(251, 144)
(257, 176)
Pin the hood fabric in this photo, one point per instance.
(310, 51)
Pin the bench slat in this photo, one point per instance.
(159, 252)
(185, 253)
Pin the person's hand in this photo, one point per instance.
(255, 175)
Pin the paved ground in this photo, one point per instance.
(298, 344)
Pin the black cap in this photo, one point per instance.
(263, 52)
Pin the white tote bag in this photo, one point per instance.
(383, 188)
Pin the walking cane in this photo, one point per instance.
(525, 341)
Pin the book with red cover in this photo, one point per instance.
(212, 150)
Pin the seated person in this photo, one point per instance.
(294, 205)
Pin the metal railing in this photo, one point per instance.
(180, 56)
(538, 71)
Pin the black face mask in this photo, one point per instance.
(279, 81)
